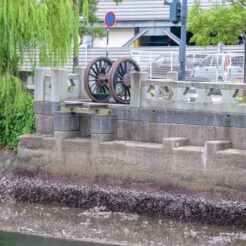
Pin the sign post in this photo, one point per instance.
(109, 20)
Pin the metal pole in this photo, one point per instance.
(107, 42)
(244, 63)
(182, 47)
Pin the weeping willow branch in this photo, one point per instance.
(46, 27)
(26, 25)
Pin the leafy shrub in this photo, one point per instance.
(16, 111)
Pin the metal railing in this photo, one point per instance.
(202, 66)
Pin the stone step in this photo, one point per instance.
(190, 149)
(135, 144)
(230, 152)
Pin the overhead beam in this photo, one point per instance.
(172, 36)
(136, 37)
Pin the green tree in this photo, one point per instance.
(27, 25)
(218, 24)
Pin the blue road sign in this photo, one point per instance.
(110, 19)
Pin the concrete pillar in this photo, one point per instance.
(82, 92)
(136, 88)
(40, 73)
(178, 94)
(59, 80)
(229, 96)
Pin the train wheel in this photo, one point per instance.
(119, 79)
(96, 79)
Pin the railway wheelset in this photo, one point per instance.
(105, 79)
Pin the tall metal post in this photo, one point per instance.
(107, 42)
(182, 47)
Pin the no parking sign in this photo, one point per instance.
(110, 19)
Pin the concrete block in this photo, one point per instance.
(44, 124)
(59, 81)
(170, 143)
(104, 124)
(211, 147)
(64, 121)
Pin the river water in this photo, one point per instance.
(98, 227)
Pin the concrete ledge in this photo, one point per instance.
(47, 108)
(61, 135)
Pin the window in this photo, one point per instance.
(207, 61)
(237, 61)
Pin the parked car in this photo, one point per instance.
(165, 63)
(221, 67)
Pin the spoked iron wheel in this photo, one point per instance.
(119, 79)
(96, 79)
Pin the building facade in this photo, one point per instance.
(141, 23)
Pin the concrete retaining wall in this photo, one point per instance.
(199, 150)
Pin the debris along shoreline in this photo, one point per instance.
(213, 207)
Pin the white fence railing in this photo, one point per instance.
(57, 85)
(186, 95)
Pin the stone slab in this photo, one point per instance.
(46, 108)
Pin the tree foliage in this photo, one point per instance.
(88, 26)
(51, 29)
(27, 25)
(220, 23)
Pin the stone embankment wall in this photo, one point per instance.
(191, 149)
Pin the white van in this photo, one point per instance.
(221, 67)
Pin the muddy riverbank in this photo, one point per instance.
(224, 208)
(148, 199)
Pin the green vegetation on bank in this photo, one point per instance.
(46, 26)
(50, 30)
(16, 111)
